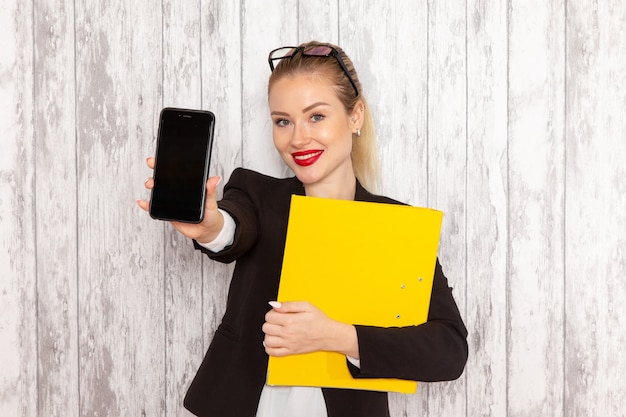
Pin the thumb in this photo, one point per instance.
(290, 306)
(211, 187)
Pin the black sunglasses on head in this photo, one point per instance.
(311, 50)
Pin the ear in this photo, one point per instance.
(357, 116)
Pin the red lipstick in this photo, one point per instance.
(306, 158)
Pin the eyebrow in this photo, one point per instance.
(306, 109)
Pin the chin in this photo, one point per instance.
(306, 178)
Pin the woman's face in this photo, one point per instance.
(312, 131)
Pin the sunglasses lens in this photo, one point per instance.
(283, 53)
(318, 50)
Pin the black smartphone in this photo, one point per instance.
(183, 154)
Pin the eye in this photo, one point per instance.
(281, 122)
(317, 117)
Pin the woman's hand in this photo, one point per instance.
(299, 327)
(213, 221)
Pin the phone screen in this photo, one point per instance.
(181, 169)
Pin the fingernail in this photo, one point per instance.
(275, 304)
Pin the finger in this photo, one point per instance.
(277, 352)
(273, 342)
(211, 187)
(149, 183)
(294, 307)
(276, 305)
(150, 162)
(274, 346)
(271, 329)
(143, 204)
(276, 318)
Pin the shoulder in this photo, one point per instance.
(260, 186)
(248, 176)
(363, 195)
(244, 174)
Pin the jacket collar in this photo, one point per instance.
(361, 194)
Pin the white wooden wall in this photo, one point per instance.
(506, 115)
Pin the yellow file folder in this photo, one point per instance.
(360, 263)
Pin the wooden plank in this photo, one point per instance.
(389, 42)
(222, 84)
(318, 21)
(222, 93)
(395, 48)
(121, 289)
(56, 214)
(18, 297)
(595, 227)
(447, 171)
(487, 224)
(278, 27)
(536, 201)
(182, 87)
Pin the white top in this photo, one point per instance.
(291, 401)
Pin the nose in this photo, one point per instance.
(300, 135)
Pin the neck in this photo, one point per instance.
(344, 191)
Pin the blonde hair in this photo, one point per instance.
(364, 152)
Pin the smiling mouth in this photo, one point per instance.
(306, 158)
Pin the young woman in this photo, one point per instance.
(322, 129)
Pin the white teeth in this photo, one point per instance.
(307, 156)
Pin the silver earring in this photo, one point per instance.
(358, 132)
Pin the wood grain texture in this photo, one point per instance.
(222, 93)
(182, 87)
(506, 115)
(399, 107)
(487, 224)
(447, 165)
(57, 273)
(121, 288)
(318, 21)
(18, 255)
(535, 339)
(595, 247)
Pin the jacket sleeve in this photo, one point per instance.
(434, 351)
(236, 201)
